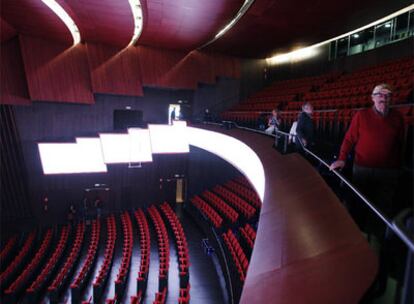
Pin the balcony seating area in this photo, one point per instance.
(247, 210)
(221, 206)
(207, 211)
(328, 92)
(236, 237)
(238, 257)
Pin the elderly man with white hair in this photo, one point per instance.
(376, 134)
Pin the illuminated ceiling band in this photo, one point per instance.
(310, 51)
(246, 5)
(138, 20)
(67, 20)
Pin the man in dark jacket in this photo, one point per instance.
(304, 129)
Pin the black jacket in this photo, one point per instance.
(304, 129)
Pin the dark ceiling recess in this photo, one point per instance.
(267, 27)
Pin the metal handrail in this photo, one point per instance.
(391, 223)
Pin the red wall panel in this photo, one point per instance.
(12, 78)
(173, 69)
(6, 31)
(114, 70)
(55, 72)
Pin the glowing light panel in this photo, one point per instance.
(67, 20)
(58, 158)
(115, 148)
(140, 145)
(168, 139)
(233, 151)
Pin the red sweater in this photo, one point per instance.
(377, 139)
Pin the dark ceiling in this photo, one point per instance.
(268, 25)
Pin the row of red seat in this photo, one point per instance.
(137, 299)
(12, 270)
(184, 295)
(221, 206)
(349, 97)
(328, 91)
(237, 254)
(243, 181)
(7, 249)
(384, 72)
(160, 297)
(56, 287)
(181, 244)
(163, 247)
(245, 192)
(33, 292)
(29, 270)
(249, 234)
(145, 244)
(80, 281)
(123, 270)
(236, 201)
(102, 277)
(215, 219)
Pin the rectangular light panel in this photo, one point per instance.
(168, 139)
(59, 158)
(140, 145)
(115, 148)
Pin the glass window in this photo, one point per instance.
(368, 38)
(332, 50)
(356, 43)
(342, 47)
(401, 26)
(383, 33)
(411, 25)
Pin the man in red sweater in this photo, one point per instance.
(377, 136)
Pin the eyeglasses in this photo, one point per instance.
(388, 95)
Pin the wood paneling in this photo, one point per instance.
(185, 24)
(56, 73)
(12, 78)
(33, 17)
(14, 200)
(173, 69)
(6, 31)
(114, 70)
(103, 21)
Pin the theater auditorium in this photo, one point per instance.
(206, 152)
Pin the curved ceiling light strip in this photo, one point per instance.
(67, 20)
(138, 20)
(310, 51)
(246, 5)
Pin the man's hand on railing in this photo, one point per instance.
(304, 142)
(337, 164)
